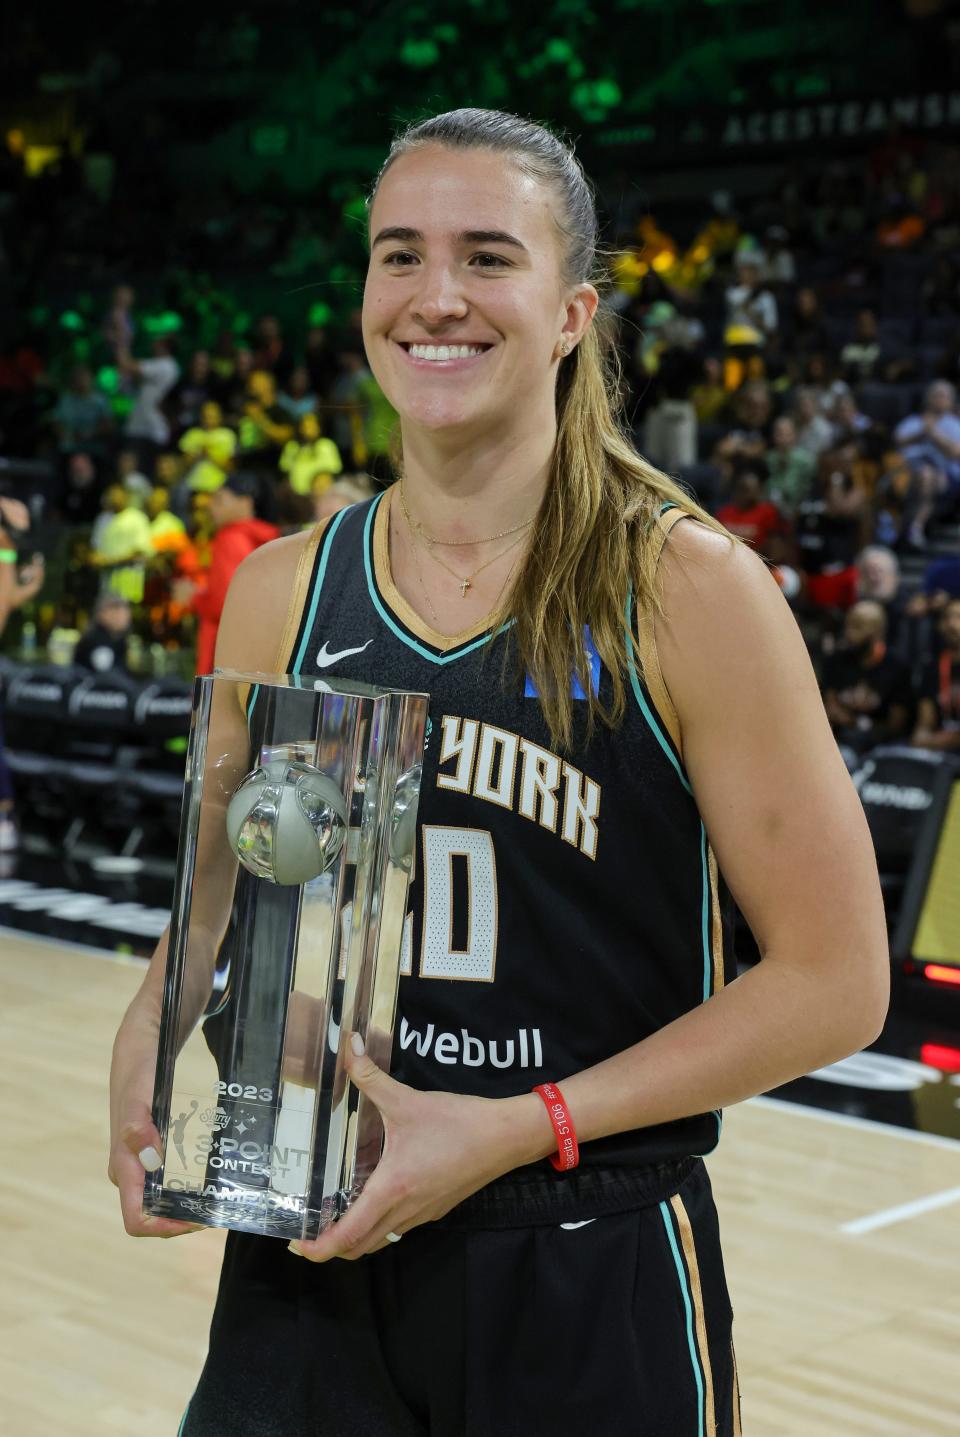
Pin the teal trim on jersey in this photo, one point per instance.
(641, 701)
(648, 714)
(665, 1213)
(315, 596)
(183, 1420)
(392, 624)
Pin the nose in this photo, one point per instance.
(439, 295)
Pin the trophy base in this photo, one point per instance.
(250, 1210)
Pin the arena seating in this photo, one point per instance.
(92, 758)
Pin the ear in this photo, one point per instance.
(581, 306)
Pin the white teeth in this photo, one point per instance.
(440, 353)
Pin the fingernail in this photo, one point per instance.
(150, 1159)
(297, 1251)
(356, 1043)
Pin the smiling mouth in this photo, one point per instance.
(443, 353)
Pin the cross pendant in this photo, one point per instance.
(464, 586)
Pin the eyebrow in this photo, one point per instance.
(412, 236)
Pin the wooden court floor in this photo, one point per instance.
(840, 1331)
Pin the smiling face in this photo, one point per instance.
(464, 307)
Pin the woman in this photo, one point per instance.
(512, 572)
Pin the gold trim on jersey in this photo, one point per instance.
(299, 594)
(646, 642)
(700, 1324)
(404, 611)
(716, 920)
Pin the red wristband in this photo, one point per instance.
(568, 1154)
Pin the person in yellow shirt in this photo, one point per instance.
(310, 459)
(122, 545)
(209, 448)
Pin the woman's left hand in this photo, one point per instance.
(438, 1149)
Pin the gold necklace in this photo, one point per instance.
(466, 582)
(426, 594)
(454, 543)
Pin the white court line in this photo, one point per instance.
(900, 1214)
(869, 1125)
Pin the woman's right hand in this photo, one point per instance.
(137, 1135)
(134, 1140)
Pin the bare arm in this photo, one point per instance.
(792, 842)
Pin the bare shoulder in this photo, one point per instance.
(257, 603)
(725, 622)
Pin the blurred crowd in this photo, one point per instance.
(791, 358)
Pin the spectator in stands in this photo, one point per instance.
(233, 392)
(814, 432)
(209, 450)
(938, 707)
(791, 468)
(137, 485)
(828, 528)
(310, 460)
(848, 421)
(16, 588)
(807, 333)
(83, 416)
(120, 544)
(930, 444)
(193, 391)
(878, 579)
(265, 426)
(864, 360)
(147, 425)
(298, 399)
(751, 410)
(860, 357)
(238, 531)
(940, 584)
(346, 399)
(269, 349)
(750, 514)
(168, 532)
(320, 360)
(708, 395)
(80, 501)
(118, 324)
(750, 304)
(103, 645)
(781, 272)
(866, 689)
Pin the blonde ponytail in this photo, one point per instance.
(590, 551)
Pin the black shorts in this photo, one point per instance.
(594, 1327)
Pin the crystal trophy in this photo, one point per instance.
(288, 924)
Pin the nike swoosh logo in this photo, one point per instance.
(586, 1223)
(325, 658)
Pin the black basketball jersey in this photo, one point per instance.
(563, 906)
